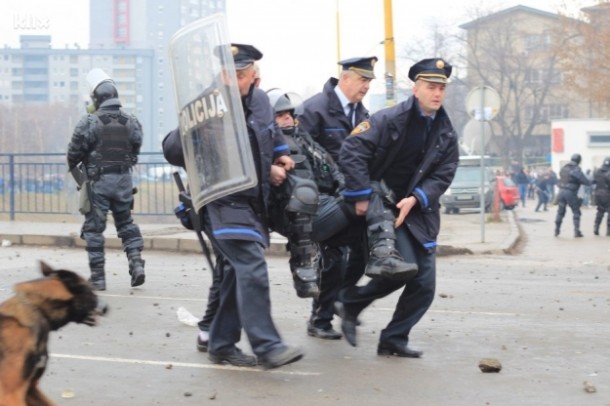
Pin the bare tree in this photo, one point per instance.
(584, 57)
(36, 128)
(511, 51)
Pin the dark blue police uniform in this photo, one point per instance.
(397, 146)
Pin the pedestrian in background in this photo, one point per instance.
(522, 181)
(542, 191)
(570, 180)
(107, 143)
(413, 148)
(601, 180)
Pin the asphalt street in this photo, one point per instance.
(542, 312)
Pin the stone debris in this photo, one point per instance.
(589, 387)
(490, 365)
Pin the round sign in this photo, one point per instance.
(483, 103)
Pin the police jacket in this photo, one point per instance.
(242, 215)
(601, 179)
(324, 118)
(375, 144)
(318, 165)
(571, 177)
(108, 139)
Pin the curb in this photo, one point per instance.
(277, 245)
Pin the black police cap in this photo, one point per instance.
(363, 66)
(431, 70)
(243, 55)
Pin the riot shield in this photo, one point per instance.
(212, 126)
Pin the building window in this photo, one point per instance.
(599, 139)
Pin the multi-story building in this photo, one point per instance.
(36, 74)
(148, 24)
(515, 52)
(129, 40)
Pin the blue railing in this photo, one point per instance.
(39, 183)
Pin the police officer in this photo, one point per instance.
(329, 117)
(570, 179)
(237, 227)
(601, 180)
(413, 147)
(107, 142)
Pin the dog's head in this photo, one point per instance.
(62, 296)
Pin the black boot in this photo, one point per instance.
(98, 277)
(136, 268)
(384, 259)
(302, 256)
(596, 229)
(557, 228)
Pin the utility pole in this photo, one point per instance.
(338, 35)
(390, 55)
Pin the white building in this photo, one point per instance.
(588, 137)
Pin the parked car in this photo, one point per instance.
(508, 192)
(464, 191)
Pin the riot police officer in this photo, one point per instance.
(570, 179)
(601, 180)
(107, 143)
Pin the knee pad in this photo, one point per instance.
(304, 196)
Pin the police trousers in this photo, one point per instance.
(112, 192)
(415, 299)
(244, 300)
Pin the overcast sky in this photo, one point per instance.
(297, 37)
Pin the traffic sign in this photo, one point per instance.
(483, 103)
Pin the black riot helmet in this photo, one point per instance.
(104, 91)
(576, 158)
(607, 162)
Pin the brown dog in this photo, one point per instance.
(39, 306)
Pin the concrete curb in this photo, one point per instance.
(186, 243)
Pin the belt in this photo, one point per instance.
(114, 169)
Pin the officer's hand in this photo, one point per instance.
(361, 207)
(405, 206)
(278, 175)
(285, 162)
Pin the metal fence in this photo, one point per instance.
(39, 183)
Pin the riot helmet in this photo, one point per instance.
(101, 87)
(576, 158)
(284, 101)
(607, 161)
(105, 91)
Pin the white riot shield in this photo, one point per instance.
(212, 126)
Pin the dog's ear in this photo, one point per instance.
(45, 268)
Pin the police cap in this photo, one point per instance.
(363, 66)
(431, 70)
(244, 55)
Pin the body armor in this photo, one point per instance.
(113, 148)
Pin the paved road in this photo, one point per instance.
(543, 313)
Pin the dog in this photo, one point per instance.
(38, 307)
